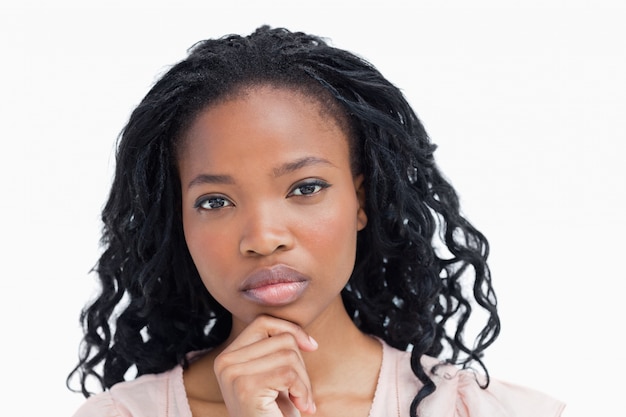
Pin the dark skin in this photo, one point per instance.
(271, 210)
(332, 386)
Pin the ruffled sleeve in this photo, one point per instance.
(101, 405)
(459, 394)
(154, 395)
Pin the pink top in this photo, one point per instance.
(457, 395)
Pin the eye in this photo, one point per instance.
(309, 188)
(212, 202)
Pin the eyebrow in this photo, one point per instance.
(284, 169)
(298, 164)
(211, 179)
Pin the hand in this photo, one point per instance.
(262, 373)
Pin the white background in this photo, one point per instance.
(526, 102)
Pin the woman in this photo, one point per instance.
(279, 241)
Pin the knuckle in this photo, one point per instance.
(287, 339)
(242, 386)
(223, 367)
(220, 362)
(287, 374)
(290, 355)
(264, 320)
(279, 325)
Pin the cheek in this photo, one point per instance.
(334, 232)
(211, 260)
(207, 247)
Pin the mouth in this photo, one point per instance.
(276, 286)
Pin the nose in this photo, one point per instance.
(265, 232)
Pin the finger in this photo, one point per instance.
(285, 368)
(229, 365)
(264, 327)
(302, 404)
(283, 341)
(286, 405)
(266, 386)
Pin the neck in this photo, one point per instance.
(343, 348)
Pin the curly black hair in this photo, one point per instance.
(413, 259)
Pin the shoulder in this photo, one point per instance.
(459, 394)
(152, 395)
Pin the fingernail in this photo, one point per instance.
(312, 407)
(313, 342)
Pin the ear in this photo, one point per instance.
(361, 216)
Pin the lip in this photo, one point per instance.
(275, 286)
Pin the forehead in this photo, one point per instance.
(311, 93)
(264, 122)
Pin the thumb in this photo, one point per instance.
(286, 406)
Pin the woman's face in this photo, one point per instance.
(270, 206)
